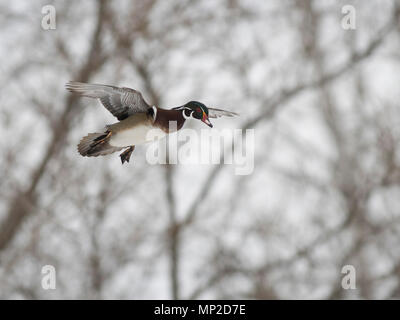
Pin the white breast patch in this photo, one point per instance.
(138, 135)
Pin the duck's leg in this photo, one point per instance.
(126, 155)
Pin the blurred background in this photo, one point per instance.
(325, 192)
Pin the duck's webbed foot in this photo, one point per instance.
(126, 155)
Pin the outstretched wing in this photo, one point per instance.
(216, 113)
(121, 102)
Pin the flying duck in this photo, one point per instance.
(136, 119)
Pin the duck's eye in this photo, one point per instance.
(198, 110)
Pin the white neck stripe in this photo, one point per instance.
(154, 113)
(184, 114)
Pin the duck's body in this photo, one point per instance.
(139, 133)
(139, 123)
(132, 130)
(136, 128)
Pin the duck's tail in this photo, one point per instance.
(96, 144)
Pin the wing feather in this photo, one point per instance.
(121, 102)
(216, 113)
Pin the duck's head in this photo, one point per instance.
(196, 110)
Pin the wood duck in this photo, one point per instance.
(136, 119)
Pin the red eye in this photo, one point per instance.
(198, 110)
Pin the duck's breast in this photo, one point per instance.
(137, 129)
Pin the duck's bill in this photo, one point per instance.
(207, 122)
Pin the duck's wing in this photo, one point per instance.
(121, 102)
(216, 113)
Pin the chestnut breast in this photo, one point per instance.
(164, 117)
